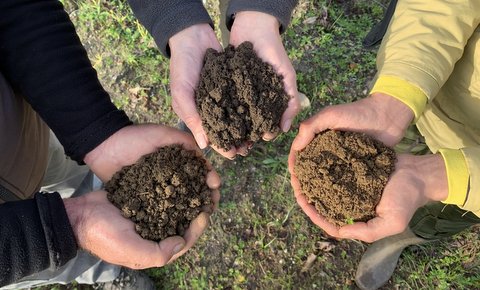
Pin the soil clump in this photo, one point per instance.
(239, 97)
(163, 192)
(343, 175)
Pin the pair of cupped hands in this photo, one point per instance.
(99, 226)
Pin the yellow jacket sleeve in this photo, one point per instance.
(463, 181)
(472, 159)
(424, 41)
(458, 176)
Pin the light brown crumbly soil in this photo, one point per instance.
(343, 175)
(239, 96)
(163, 192)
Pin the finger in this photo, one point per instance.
(290, 113)
(325, 119)
(304, 137)
(215, 198)
(269, 136)
(297, 190)
(375, 229)
(185, 139)
(166, 249)
(291, 162)
(194, 231)
(213, 180)
(183, 103)
(230, 154)
(243, 150)
(316, 218)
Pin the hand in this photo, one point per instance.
(302, 201)
(124, 148)
(188, 49)
(380, 116)
(416, 181)
(262, 30)
(100, 229)
(130, 143)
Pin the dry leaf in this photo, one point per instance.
(308, 264)
(310, 20)
(325, 246)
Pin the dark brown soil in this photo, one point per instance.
(239, 96)
(163, 192)
(343, 175)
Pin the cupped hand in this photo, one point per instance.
(130, 143)
(302, 201)
(100, 229)
(188, 48)
(380, 116)
(101, 221)
(416, 181)
(263, 31)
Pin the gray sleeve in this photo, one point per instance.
(164, 18)
(281, 9)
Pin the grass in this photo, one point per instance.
(259, 238)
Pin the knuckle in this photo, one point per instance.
(303, 127)
(191, 121)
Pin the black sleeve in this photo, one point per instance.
(42, 57)
(281, 9)
(35, 234)
(163, 19)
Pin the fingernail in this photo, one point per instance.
(178, 248)
(202, 143)
(286, 125)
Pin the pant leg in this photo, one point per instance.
(435, 220)
(223, 5)
(438, 220)
(23, 146)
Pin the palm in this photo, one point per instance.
(105, 233)
(188, 51)
(402, 196)
(267, 43)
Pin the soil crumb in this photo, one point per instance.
(163, 192)
(239, 96)
(343, 175)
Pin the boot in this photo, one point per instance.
(379, 261)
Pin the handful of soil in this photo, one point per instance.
(239, 96)
(163, 192)
(343, 175)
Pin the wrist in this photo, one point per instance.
(392, 113)
(255, 19)
(196, 35)
(74, 208)
(432, 172)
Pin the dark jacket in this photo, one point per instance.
(42, 57)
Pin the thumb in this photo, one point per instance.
(323, 120)
(290, 113)
(168, 248)
(187, 111)
(369, 232)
